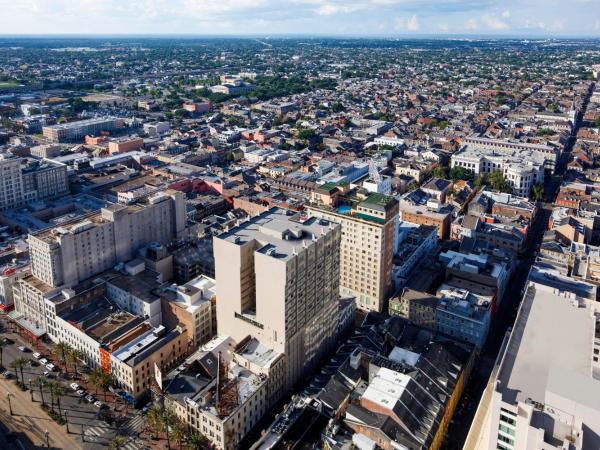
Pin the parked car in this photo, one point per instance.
(48, 374)
(50, 367)
(8, 375)
(90, 398)
(37, 355)
(8, 341)
(80, 393)
(99, 404)
(23, 348)
(44, 361)
(74, 386)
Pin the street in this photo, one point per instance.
(85, 429)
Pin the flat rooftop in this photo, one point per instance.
(279, 232)
(549, 333)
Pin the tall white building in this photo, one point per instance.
(12, 190)
(24, 180)
(277, 278)
(544, 392)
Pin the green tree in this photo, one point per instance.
(460, 173)
(40, 382)
(537, 192)
(498, 182)
(197, 441)
(479, 181)
(153, 419)
(178, 433)
(74, 356)
(441, 172)
(117, 443)
(306, 134)
(61, 350)
(56, 391)
(18, 364)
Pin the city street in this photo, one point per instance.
(85, 429)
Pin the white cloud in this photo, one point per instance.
(413, 24)
(471, 25)
(506, 14)
(493, 23)
(402, 24)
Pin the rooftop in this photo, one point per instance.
(526, 363)
(279, 232)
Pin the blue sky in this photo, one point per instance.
(322, 17)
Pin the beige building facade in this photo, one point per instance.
(277, 280)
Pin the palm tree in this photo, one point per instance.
(2, 345)
(62, 350)
(168, 419)
(117, 443)
(153, 420)
(178, 432)
(95, 376)
(537, 192)
(51, 389)
(74, 356)
(18, 364)
(40, 382)
(57, 392)
(198, 441)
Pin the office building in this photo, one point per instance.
(277, 278)
(76, 131)
(544, 390)
(369, 231)
(25, 180)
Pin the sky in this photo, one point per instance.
(307, 17)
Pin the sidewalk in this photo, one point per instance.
(30, 419)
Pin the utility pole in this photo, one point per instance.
(31, 391)
(8, 396)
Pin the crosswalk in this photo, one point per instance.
(132, 445)
(134, 426)
(96, 433)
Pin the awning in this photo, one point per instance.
(27, 325)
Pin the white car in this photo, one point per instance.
(75, 386)
(98, 404)
(81, 393)
(37, 355)
(50, 367)
(44, 361)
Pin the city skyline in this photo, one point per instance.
(546, 18)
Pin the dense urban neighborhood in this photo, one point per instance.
(299, 243)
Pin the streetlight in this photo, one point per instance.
(8, 396)
(47, 433)
(67, 420)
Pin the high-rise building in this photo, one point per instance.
(24, 180)
(544, 391)
(74, 251)
(277, 278)
(369, 229)
(63, 256)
